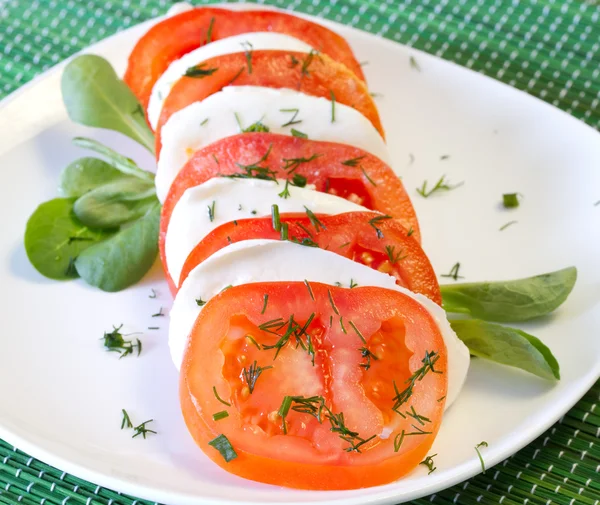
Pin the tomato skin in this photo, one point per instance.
(177, 35)
(273, 69)
(296, 460)
(348, 234)
(387, 196)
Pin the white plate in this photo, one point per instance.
(61, 395)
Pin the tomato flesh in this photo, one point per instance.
(385, 190)
(177, 35)
(323, 77)
(350, 234)
(352, 440)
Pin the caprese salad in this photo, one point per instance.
(307, 321)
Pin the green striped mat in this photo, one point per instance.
(549, 48)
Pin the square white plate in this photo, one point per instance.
(62, 395)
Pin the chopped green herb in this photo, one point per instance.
(222, 444)
(503, 227)
(159, 313)
(306, 62)
(153, 295)
(367, 176)
(209, 31)
(247, 46)
(305, 229)
(342, 323)
(368, 355)
(440, 185)
(200, 302)
(215, 158)
(410, 232)
(217, 416)
(333, 306)
(275, 221)
(284, 231)
(299, 181)
(393, 256)
(510, 200)
(252, 374)
(417, 417)
(291, 164)
(345, 244)
(444, 157)
(354, 162)
(249, 337)
(114, 342)
(299, 134)
(153, 327)
(332, 95)
(235, 77)
(314, 220)
(441, 399)
(353, 284)
(481, 444)
(204, 122)
(142, 430)
(293, 120)
(403, 396)
(200, 71)
(126, 422)
(428, 462)
(414, 64)
(255, 170)
(219, 398)
(310, 291)
(453, 274)
(375, 221)
(266, 300)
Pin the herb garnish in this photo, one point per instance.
(428, 462)
(209, 31)
(410, 232)
(399, 438)
(142, 430)
(444, 157)
(310, 291)
(114, 342)
(332, 95)
(503, 227)
(126, 422)
(314, 220)
(481, 444)
(291, 164)
(453, 274)
(159, 313)
(298, 134)
(333, 306)
(219, 398)
(222, 444)
(403, 396)
(375, 221)
(266, 300)
(440, 185)
(204, 122)
(293, 120)
(353, 162)
(235, 77)
(154, 327)
(414, 64)
(293, 329)
(393, 257)
(275, 221)
(200, 302)
(364, 351)
(200, 71)
(252, 373)
(254, 170)
(247, 46)
(367, 176)
(353, 284)
(217, 416)
(510, 200)
(153, 295)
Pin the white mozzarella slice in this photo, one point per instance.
(269, 261)
(235, 107)
(237, 44)
(178, 8)
(236, 199)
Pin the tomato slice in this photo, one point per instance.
(376, 352)
(382, 244)
(339, 169)
(316, 75)
(170, 39)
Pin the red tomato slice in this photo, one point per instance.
(316, 75)
(374, 350)
(337, 169)
(170, 39)
(382, 244)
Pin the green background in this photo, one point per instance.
(550, 49)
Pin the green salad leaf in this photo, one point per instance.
(95, 96)
(507, 346)
(54, 238)
(86, 174)
(115, 203)
(124, 258)
(517, 300)
(121, 163)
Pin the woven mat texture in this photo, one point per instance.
(549, 48)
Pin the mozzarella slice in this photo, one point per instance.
(254, 41)
(236, 199)
(269, 261)
(179, 8)
(235, 107)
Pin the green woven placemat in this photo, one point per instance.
(548, 48)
